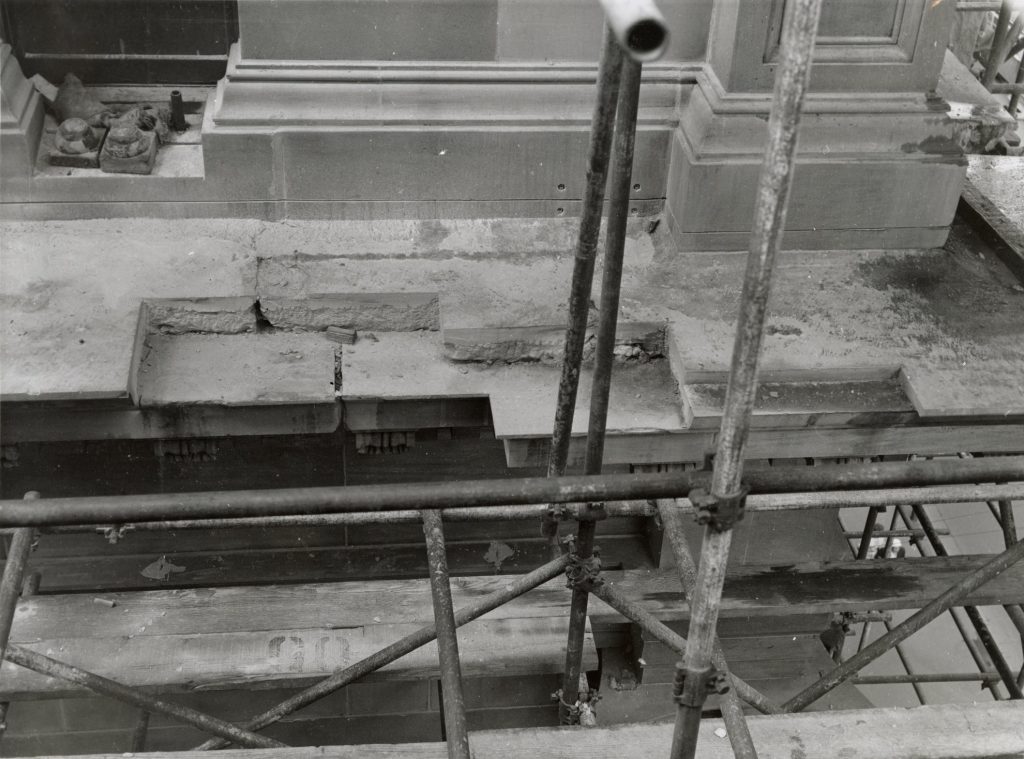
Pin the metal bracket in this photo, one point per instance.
(692, 687)
(720, 512)
(584, 574)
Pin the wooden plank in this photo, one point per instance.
(823, 586)
(754, 591)
(806, 442)
(291, 657)
(973, 731)
(239, 565)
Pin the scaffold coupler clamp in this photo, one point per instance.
(592, 512)
(692, 687)
(717, 511)
(584, 574)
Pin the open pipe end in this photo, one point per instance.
(639, 27)
(646, 40)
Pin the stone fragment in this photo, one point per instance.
(128, 150)
(76, 145)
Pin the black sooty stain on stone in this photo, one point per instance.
(933, 145)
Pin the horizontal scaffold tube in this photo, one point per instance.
(481, 493)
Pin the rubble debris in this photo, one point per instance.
(342, 335)
(75, 101)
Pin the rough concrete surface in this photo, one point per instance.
(236, 369)
(949, 319)
(1001, 178)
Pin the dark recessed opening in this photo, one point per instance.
(646, 36)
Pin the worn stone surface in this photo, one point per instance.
(1001, 178)
(70, 295)
(386, 312)
(215, 315)
(240, 369)
(948, 320)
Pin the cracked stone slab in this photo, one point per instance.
(544, 344)
(214, 315)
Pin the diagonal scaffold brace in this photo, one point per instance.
(723, 504)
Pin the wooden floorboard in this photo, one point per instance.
(289, 657)
(939, 732)
(750, 591)
(823, 586)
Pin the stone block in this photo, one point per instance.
(142, 163)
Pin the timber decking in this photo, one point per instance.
(979, 731)
(227, 637)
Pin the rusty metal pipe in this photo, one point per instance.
(528, 490)
(44, 665)
(792, 79)
(601, 128)
(13, 577)
(454, 706)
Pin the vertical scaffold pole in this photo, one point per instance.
(14, 574)
(609, 73)
(724, 502)
(456, 729)
(618, 211)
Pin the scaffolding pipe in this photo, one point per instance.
(13, 577)
(639, 28)
(601, 125)
(140, 733)
(910, 533)
(938, 677)
(802, 483)
(515, 588)
(973, 613)
(900, 652)
(869, 528)
(454, 705)
(981, 660)
(791, 80)
(739, 734)
(604, 359)
(571, 511)
(44, 665)
(905, 629)
(658, 629)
